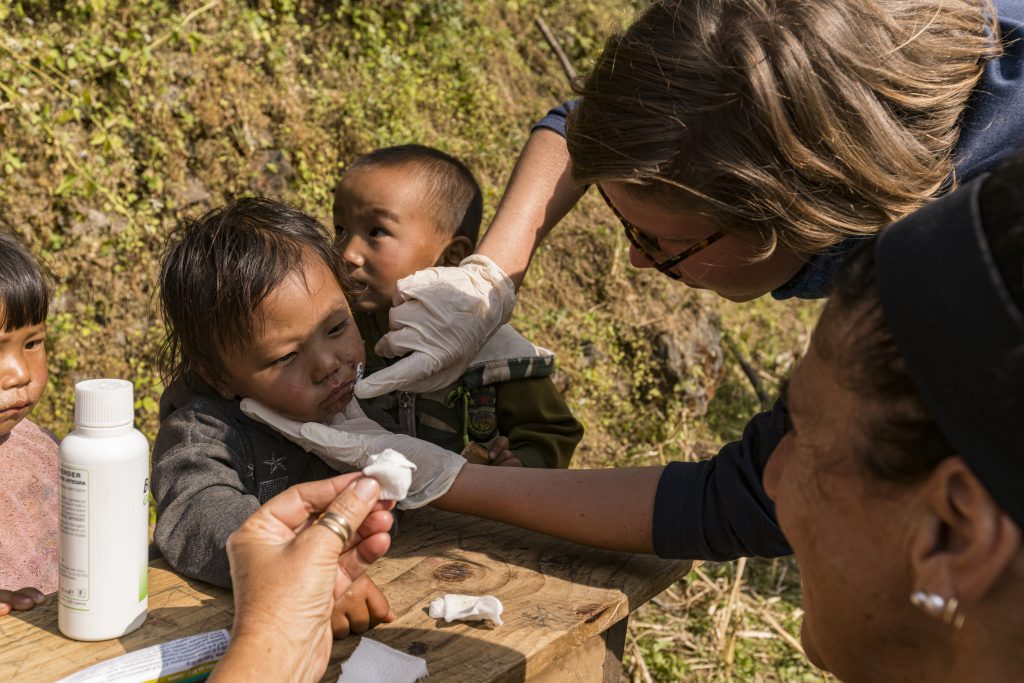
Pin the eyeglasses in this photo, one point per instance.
(649, 247)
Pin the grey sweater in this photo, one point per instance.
(212, 468)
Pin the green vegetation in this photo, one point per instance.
(120, 119)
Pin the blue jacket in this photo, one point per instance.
(717, 509)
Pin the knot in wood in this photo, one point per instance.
(453, 572)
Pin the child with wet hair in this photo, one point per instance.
(254, 308)
(28, 498)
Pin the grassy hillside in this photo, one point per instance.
(119, 119)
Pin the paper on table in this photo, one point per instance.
(184, 659)
(374, 662)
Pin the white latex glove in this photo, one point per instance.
(352, 438)
(442, 318)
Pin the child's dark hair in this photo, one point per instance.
(217, 271)
(451, 186)
(24, 292)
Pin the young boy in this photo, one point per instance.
(401, 209)
(28, 498)
(253, 304)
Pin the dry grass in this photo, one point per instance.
(720, 626)
(735, 621)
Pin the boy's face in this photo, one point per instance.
(22, 372)
(386, 231)
(303, 356)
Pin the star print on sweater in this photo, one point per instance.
(275, 464)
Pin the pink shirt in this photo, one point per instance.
(28, 509)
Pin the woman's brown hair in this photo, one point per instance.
(795, 122)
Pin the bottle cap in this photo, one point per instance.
(104, 403)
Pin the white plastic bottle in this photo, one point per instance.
(104, 515)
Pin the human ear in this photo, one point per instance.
(964, 541)
(459, 248)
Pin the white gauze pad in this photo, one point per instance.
(393, 471)
(374, 662)
(452, 607)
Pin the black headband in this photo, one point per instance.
(961, 335)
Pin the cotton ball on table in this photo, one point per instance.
(453, 607)
(393, 471)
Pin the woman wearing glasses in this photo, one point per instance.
(746, 146)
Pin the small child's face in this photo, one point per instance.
(303, 357)
(386, 231)
(22, 372)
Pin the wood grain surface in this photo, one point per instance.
(558, 597)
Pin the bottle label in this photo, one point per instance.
(74, 523)
(179, 661)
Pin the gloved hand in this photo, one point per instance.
(352, 438)
(443, 316)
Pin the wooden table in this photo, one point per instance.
(566, 607)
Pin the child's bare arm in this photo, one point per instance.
(361, 608)
(21, 599)
(610, 509)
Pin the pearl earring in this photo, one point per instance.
(937, 607)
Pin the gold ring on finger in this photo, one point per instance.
(337, 524)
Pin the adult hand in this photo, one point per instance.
(352, 438)
(288, 572)
(442, 318)
(21, 599)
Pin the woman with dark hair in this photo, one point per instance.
(900, 484)
(899, 481)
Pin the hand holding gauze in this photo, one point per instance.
(352, 438)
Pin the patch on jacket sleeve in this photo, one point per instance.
(271, 487)
(482, 414)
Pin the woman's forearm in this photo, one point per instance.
(539, 193)
(610, 509)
